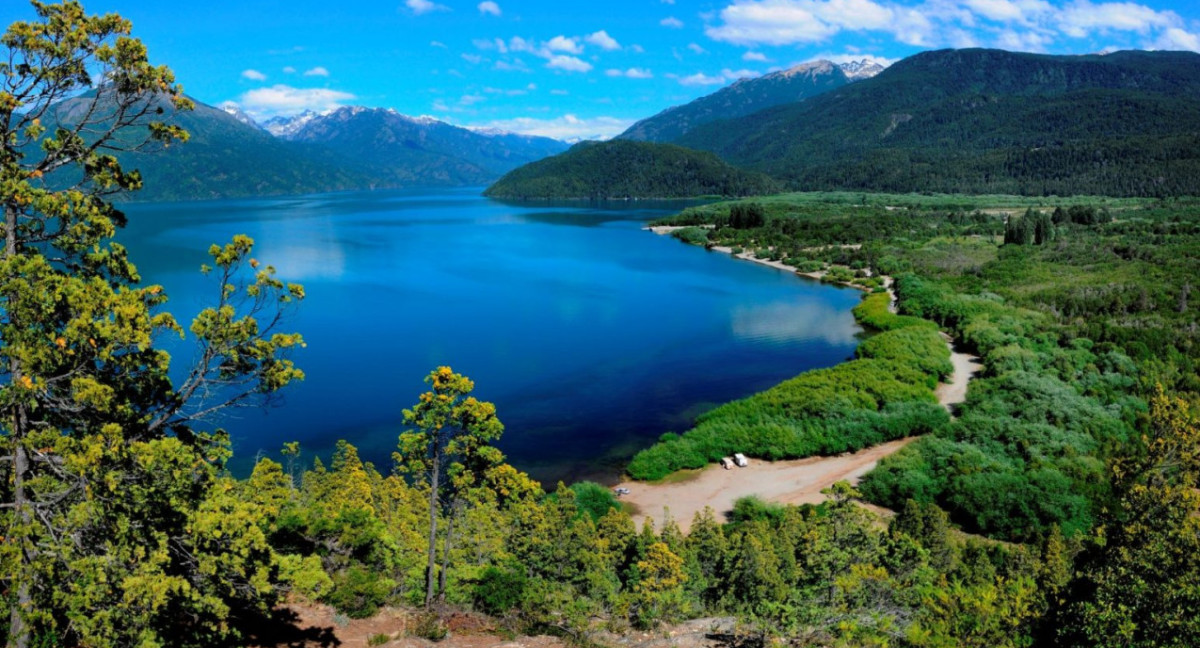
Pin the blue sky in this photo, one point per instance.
(568, 68)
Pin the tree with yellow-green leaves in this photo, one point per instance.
(448, 452)
(118, 525)
(1139, 582)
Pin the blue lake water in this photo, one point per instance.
(592, 336)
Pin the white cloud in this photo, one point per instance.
(700, 79)
(286, 100)
(317, 71)
(567, 127)
(419, 7)
(755, 56)
(671, 21)
(470, 99)
(1081, 18)
(489, 7)
(289, 70)
(696, 48)
(253, 75)
(559, 93)
(631, 73)
(1018, 24)
(1175, 38)
(602, 40)
(473, 59)
(437, 44)
(564, 44)
(568, 63)
(514, 65)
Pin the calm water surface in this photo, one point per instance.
(592, 336)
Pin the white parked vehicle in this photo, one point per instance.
(726, 463)
(740, 460)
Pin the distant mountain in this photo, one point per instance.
(986, 121)
(237, 113)
(229, 155)
(416, 150)
(620, 169)
(286, 127)
(224, 157)
(861, 69)
(743, 97)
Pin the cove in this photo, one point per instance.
(591, 336)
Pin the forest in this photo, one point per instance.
(622, 169)
(1057, 507)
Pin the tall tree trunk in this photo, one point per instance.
(18, 631)
(447, 545)
(433, 511)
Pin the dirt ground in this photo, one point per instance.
(787, 482)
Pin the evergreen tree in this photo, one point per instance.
(119, 526)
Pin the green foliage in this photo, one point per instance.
(120, 527)
(358, 593)
(984, 122)
(499, 590)
(594, 499)
(378, 639)
(620, 169)
(884, 396)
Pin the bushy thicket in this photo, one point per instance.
(884, 395)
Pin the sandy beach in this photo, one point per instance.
(798, 481)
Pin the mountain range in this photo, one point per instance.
(958, 121)
(985, 121)
(750, 95)
(229, 155)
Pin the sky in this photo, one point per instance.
(581, 68)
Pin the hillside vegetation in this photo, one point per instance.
(986, 121)
(624, 169)
(742, 97)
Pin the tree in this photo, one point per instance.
(449, 448)
(118, 526)
(1139, 582)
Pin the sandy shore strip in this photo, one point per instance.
(798, 481)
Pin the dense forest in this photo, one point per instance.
(625, 169)
(1058, 507)
(985, 121)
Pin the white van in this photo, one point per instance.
(726, 463)
(740, 460)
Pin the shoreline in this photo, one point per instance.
(818, 275)
(791, 481)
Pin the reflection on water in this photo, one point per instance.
(592, 336)
(793, 321)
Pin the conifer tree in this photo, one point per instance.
(118, 525)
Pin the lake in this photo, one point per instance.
(592, 336)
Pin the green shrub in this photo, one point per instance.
(499, 589)
(594, 499)
(378, 639)
(359, 592)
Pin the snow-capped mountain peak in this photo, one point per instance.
(285, 127)
(862, 69)
(237, 113)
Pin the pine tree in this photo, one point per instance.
(119, 526)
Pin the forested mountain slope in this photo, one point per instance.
(743, 97)
(625, 169)
(986, 121)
